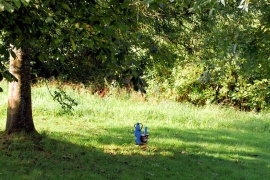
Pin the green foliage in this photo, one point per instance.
(67, 103)
(197, 51)
(220, 51)
(10, 6)
(253, 96)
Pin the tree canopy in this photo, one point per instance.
(196, 51)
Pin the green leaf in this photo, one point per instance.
(66, 7)
(211, 11)
(73, 44)
(41, 58)
(13, 54)
(9, 77)
(17, 3)
(8, 7)
(25, 2)
(234, 48)
(49, 20)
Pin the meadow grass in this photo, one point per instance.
(97, 141)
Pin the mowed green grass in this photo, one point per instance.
(98, 142)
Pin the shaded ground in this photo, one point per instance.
(191, 154)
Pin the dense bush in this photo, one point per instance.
(225, 85)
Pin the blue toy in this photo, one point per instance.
(138, 133)
(140, 138)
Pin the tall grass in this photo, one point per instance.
(97, 141)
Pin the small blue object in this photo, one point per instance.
(138, 133)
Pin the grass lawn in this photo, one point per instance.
(97, 141)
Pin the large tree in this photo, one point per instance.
(36, 29)
(51, 31)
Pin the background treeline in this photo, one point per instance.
(188, 51)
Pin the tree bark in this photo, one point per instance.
(19, 112)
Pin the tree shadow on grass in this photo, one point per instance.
(170, 154)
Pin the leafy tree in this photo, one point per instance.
(51, 31)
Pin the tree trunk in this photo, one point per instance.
(19, 112)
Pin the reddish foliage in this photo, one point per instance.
(103, 92)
